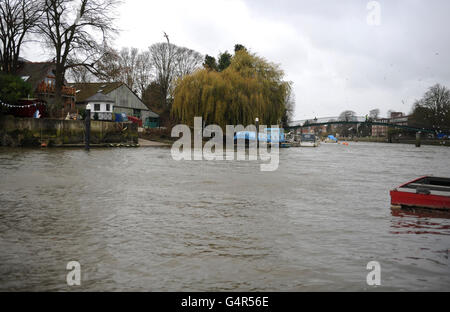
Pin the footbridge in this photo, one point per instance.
(355, 120)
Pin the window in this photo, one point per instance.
(96, 107)
(108, 107)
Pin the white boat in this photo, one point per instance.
(309, 140)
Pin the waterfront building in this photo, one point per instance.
(41, 77)
(102, 106)
(125, 100)
(397, 118)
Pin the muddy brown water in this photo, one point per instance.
(137, 220)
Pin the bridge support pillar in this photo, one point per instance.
(418, 139)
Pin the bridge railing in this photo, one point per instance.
(317, 122)
(325, 120)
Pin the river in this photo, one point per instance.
(136, 220)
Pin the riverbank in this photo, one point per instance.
(157, 137)
(29, 132)
(399, 141)
(147, 143)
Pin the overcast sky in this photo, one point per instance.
(334, 57)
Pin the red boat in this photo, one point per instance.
(135, 120)
(423, 193)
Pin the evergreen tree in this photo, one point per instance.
(224, 61)
(210, 62)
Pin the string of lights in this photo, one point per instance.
(20, 106)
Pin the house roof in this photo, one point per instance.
(87, 90)
(153, 114)
(34, 73)
(100, 97)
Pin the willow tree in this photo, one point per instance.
(250, 87)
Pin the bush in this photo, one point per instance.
(13, 88)
(82, 112)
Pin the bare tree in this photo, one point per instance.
(347, 115)
(109, 66)
(143, 72)
(163, 56)
(433, 110)
(171, 62)
(374, 114)
(80, 75)
(128, 59)
(127, 66)
(187, 61)
(76, 31)
(17, 19)
(345, 129)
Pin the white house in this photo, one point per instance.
(125, 100)
(102, 105)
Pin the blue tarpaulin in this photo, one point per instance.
(250, 136)
(331, 137)
(120, 117)
(271, 135)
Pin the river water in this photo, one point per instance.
(137, 220)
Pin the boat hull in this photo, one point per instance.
(414, 200)
(309, 144)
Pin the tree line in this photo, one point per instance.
(150, 74)
(78, 35)
(75, 33)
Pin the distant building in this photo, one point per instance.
(124, 99)
(397, 118)
(41, 77)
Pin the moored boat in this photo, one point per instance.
(309, 140)
(331, 139)
(432, 193)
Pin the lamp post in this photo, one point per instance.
(87, 134)
(257, 132)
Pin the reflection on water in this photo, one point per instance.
(137, 220)
(424, 222)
